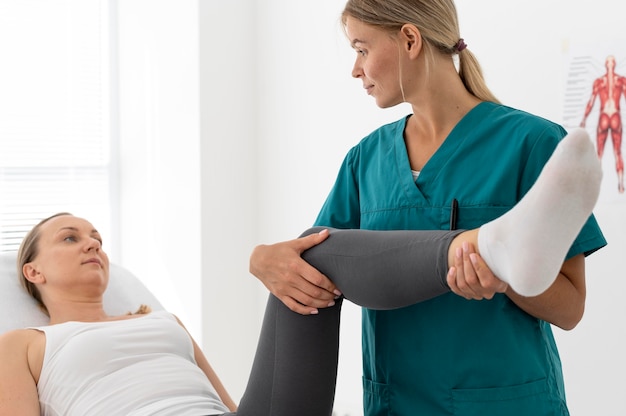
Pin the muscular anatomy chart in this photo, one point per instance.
(595, 89)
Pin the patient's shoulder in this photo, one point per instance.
(23, 347)
(19, 337)
(24, 341)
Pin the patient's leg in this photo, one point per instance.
(295, 366)
(525, 247)
(384, 269)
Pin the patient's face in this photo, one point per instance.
(70, 255)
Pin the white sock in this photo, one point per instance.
(526, 247)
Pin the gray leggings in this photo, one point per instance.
(295, 366)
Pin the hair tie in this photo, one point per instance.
(460, 45)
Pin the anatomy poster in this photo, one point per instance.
(595, 98)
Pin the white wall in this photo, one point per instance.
(231, 299)
(160, 151)
(257, 135)
(188, 169)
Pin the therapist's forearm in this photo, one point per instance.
(563, 304)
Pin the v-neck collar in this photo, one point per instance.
(431, 169)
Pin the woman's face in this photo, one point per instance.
(70, 254)
(377, 62)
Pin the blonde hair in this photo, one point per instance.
(28, 251)
(438, 24)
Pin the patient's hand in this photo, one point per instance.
(296, 283)
(471, 278)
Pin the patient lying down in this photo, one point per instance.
(86, 362)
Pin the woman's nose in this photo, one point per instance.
(356, 70)
(93, 244)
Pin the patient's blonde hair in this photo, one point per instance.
(28, 251)
(143, 309)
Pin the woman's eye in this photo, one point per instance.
(70, 238)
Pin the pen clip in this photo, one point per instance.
(454, 211)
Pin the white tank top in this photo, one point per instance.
(138, 366)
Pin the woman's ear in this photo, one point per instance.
(411, 39)
(32, 273)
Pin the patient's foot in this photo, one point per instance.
(527, 246)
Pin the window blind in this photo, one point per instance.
(54, 113)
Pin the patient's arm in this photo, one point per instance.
(204, 365)
(18, 390)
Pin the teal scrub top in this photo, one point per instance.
(449, 355)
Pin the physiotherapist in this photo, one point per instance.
(459, 160)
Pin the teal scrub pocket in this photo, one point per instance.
(532, 398)
(375, 398)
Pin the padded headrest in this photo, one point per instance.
(18, 309)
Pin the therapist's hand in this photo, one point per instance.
(300, 286)
(470, 276)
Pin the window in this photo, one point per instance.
(55, 118)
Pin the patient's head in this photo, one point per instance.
(63, 252)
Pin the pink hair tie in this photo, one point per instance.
(460, 45)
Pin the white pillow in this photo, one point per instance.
(19, 310)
